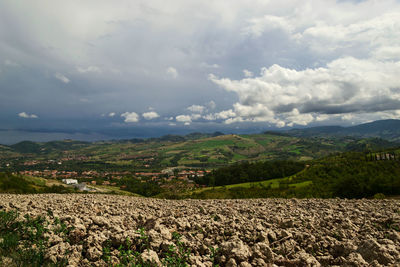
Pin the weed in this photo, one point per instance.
(391, 224)
(144, 239)
(107, 252)
(62, 229)
(214, 254)
(177, 254)
(338, 236)
(23, 241)
(130, 252)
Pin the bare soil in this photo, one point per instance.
(258, 232)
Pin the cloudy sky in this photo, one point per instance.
(106, 65)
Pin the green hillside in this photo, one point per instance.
(346, 175)
(384, 129)
(192, 151)
(18, 184)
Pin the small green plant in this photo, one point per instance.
(144, 239)
(23, 240)
(177, 254)
(338, 236)
(379, 196)
(62, 229)
(107, 252)
(129, 251)
(391, 224)
(214, 253)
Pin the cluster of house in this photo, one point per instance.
(187, 175)
(72, 174)
(145, 159)
(31, 163)
(79, 186)
(36, 162)
(68, 155)
(385, 156)
(51, 173)
(55, 161)
(104, 183)
(170, 174)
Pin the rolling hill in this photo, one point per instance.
(200, 150)
(385, 129)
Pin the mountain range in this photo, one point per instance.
(385, 129)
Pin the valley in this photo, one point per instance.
(197, 165)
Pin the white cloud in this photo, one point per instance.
(267, 23)
(347, 117)
(300, 119)
(183, 118)
(27, 116)
(322, 117)
(248, 74)
(196, 108)
(280, 124)
(150, 41)
(195, 116)
(172, 72)
(61, 77)
(186, 123)
(111, 114)
(387, 53)
(150, 115)
(93, 69)
(376, 36)
(345, 85)
(130, 116)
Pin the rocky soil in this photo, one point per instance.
(260, 232)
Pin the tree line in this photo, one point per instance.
(251, 172)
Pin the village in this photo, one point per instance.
(92, 178)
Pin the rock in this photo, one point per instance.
(308, 260)
(260, 232)
(244, 264)
(231, 263)
(94, 254)
(100, 221)
(343, 249)
(237, 249)
(259, 263)
(263, 251)
(150, 257)
(355, 259)
(394, 236)
(371, 250)
(76, 236)
(165, 233)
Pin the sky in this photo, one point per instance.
(131, 68)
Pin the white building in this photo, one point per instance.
(70, 181)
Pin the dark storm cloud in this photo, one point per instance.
(73, 61)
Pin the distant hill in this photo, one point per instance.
(385, 129)
(207, 150)
(171, 138)
(26, 147)
(35, 147)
